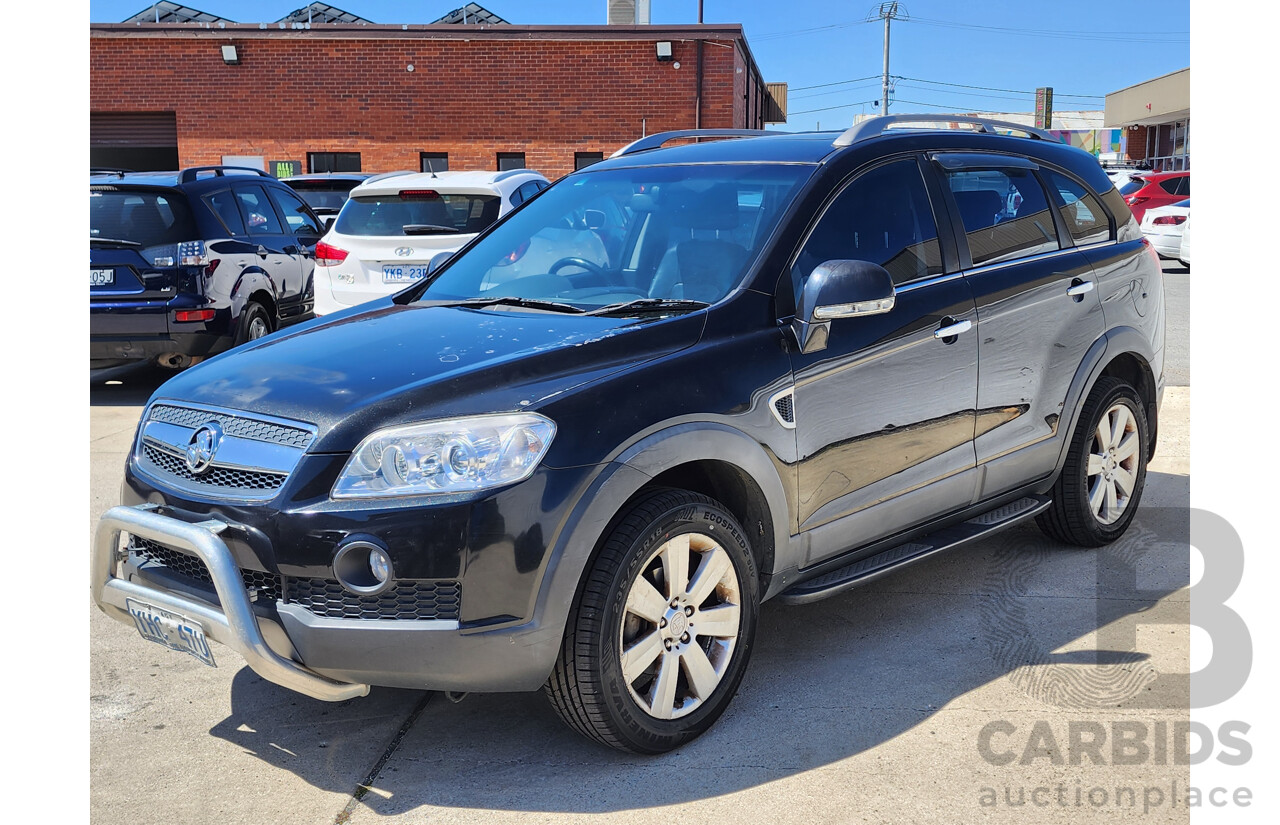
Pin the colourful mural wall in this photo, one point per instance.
(1094, 141)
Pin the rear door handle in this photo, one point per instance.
(1079, 287)
(952, 330)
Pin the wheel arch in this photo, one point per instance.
(1121, 353)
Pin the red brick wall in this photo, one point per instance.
(293, 94)
(1136, 143)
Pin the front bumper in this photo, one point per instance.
(322, 656)
(232, 622)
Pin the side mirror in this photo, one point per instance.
(594, 218)
(839, 289)
(438, 260)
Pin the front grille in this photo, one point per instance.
(410, 600)
(407, 600)
(228, 477)
(192, 568)
(249, 428)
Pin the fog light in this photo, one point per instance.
(380, 565)
(363, 567)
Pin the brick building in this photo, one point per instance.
(359, 96)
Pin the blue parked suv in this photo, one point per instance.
(183, 265)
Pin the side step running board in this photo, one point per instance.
(873, 567)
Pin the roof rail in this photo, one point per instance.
(876, 126)
(385, 175)
(190, 175)
(108, 170)
(658, 138)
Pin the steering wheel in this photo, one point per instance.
(593, 268)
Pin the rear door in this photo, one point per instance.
(884, 414)
(270, 241)
(1037, 305)
(302, 225)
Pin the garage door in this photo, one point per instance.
(141, 141)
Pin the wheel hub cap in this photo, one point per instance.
(1114, 456)
(680, 626)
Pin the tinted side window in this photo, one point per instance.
(295, 213)
(884, 217)
(1170, 185)
(1132, 185)
(1184, 186)
(1005, 214)
(259, 217)
(223, 204)
(1084, 217)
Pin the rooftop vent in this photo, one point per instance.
(628, 12)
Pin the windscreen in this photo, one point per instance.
(597, 238)
(147, 218)
(396, 214)
(323, 196)
(1132, 185)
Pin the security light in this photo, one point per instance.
(664, 49)
(229, 55)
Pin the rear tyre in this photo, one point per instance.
(1101, 484)
(254, 323)
(659, 636)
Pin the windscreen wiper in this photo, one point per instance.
(428, 229)
(112, 241)
(648, 305)
(513, 301)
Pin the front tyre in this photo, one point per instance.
(661, 631)
(1097, 493)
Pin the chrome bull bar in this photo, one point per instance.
(235, 625)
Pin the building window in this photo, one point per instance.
(581, 160)
(434, 161)
(510, 160)
(333, 161)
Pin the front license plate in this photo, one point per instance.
(400, 274)
(171, 630)
(101, 277)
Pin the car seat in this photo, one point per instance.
(699, 264)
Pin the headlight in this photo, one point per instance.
(460, 455)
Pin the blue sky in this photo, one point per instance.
(1083, 48)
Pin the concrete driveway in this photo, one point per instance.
(944, 693)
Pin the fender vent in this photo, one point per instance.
(784, 408)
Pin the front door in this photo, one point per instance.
(885, 413)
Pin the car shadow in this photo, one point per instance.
(130, 388)
(826, 681)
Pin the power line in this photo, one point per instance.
(991, 88)
(832, 92)
(836, 83)
(830, 108)
(1055, 34)
(797, 32)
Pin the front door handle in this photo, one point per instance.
(1078, 288)
(262, 251)
(948, 333)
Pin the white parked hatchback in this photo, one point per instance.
(394, 224)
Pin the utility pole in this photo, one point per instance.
(888, 12)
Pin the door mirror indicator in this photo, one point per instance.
(839, 289)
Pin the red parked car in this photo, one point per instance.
(1151, 189)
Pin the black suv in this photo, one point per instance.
(183, 265)
(814, 358)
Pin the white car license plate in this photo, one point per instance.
(101, 277)
(401, 274)
(171, 630)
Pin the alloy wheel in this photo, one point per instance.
(1113, 463)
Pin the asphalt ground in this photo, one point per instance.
(946, 692)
